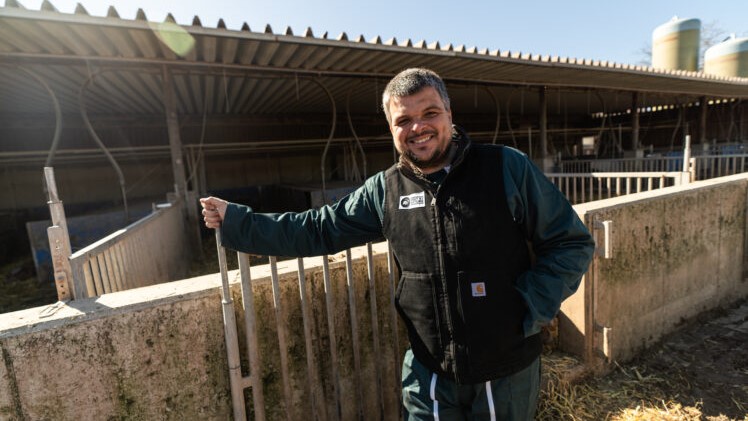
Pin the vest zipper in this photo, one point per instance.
(445, 293)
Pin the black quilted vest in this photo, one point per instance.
(460, 253)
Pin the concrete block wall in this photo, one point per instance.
(676, 252)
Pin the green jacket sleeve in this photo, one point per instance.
(561, 243)
(354, 220)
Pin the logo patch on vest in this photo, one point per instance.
(415, 200)
(479, 289)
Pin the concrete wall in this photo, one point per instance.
(159, 352)
(676, 252)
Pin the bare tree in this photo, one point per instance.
(711, 34)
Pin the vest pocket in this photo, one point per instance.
(492, 312)
(416, 302)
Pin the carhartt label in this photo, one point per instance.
(479, 289)
(415, 200)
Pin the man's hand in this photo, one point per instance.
(214, 209)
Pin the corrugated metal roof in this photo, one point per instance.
(263, 72)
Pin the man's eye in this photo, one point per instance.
(402, 123)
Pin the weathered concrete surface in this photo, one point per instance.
(676, 252)
(121, 357)
(158, 352)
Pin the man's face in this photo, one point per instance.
(421, 128)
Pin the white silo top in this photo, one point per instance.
(731, 46)
(676, 25)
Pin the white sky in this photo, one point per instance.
(600, 30)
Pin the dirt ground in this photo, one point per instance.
(19, 288)
(699, 372)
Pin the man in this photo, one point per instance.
(462, 220)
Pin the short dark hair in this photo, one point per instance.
(411, 81)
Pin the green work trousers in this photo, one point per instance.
(428, 396)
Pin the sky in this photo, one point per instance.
(590, 29)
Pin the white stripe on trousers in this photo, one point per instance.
(489, 398)
(433, 396)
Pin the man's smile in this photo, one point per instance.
(421, 139)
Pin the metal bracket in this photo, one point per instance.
(605, 333)
(605, 250)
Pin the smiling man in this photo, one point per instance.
(462, 220)
(421, 126)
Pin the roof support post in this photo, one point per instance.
(175, 141)
(547, 164)
(702, 120)
(635, 122)
(188, 198)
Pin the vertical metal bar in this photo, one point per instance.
(282, 337)
(393, 313)
(561, 180)
(627, 180)
(608, 185)
(144, 253)
(105, 281)
(313, 378)
(114, 257)
(638, 184)
(375, 327)
(354, 331)
(232, 340)
(111, 252)
(147, 243)
(88, 276)
(175, 141)
(574, 187)
(330, 307)
(129, 267)
(618, 186)
(96, 275)
(122, 259)
(110, 270)
(253, 354)
(138, 272)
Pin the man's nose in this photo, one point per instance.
(417, 125)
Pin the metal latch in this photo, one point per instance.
(604, 332)
(605, 250)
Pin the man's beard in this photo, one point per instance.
(437, 159)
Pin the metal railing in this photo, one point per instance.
(580, 188)
(146, 252)
(707, 166)
(712, 166)
(324, 403)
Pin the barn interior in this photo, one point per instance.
(128, 110)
